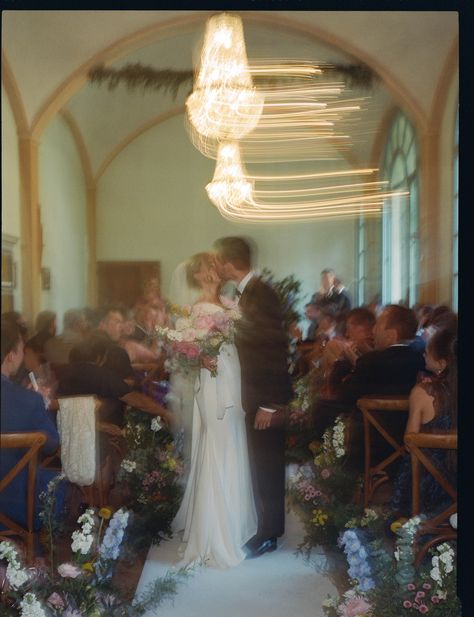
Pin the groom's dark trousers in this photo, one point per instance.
(262, 344)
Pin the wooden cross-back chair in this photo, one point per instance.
(438, 527)
(376, 474)
(32, 443)
(97, 493)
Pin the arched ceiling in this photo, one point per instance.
(47, 50)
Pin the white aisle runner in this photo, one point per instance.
(277, 584)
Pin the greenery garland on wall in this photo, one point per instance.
(138, 75)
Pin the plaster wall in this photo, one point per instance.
(63, 218)
(11, 201)
(152, 205)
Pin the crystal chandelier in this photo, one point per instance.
(224, 104)
(229, 186)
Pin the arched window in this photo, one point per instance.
(400, 218)
(455, 213)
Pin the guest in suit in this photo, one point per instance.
(393, 366)
(262, 344)
(328, 297)
(391, 369)
(22, 411)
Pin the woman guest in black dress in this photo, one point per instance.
(433, 407)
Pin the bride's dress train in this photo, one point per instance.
(218, 513)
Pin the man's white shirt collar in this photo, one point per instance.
(243, 283)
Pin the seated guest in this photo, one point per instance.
(22, 411)
(110, 323)
(138, 352)
(441, 318)
(40, 376)
(433, 407)
(325, 332)
(423, 313)
(19, 320)
(393, 366)
(358, 339)
(45, 328)
(57, 348)
(88, 373)
(391, 369)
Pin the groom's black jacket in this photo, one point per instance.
(262, 344)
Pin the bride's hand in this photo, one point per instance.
(209, 363)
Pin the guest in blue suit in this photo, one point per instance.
(22, 411)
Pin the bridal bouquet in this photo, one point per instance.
(197, 333)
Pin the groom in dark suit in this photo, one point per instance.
(262, 344)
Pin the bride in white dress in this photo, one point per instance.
(217, 514)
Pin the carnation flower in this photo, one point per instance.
(55, 600)
(69, 570)
(407, 604)
(423, 608)
(354, 607)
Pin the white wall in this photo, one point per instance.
(152, 205)
(11, 224)
(63, 217)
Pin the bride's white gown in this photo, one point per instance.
(218, 513)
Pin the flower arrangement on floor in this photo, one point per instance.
(322, 492)
(197, 333)
(299, 423)
(385, 583)
(83, 586)
(150, 473)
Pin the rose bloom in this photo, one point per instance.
(354, 608)
(423, 608)
(69, 570)
(407, 604)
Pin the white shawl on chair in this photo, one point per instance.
(77, 431)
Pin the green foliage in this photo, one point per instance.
(288, 290)
(150, 473)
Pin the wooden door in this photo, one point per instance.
(124, 281)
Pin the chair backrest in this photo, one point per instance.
(383, 403)
(32, 442)
(78, 436)
(416, 443)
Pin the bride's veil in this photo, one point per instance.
(181, 399)
(180, 292)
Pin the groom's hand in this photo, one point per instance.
(263, 419)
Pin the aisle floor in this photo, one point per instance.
(278, 584)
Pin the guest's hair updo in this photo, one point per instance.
(194, 265)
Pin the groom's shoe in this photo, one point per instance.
(267, 546)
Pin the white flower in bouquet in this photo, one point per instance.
(129, 466)
(31, 607)
(81, 543)
(69, 570)
(156, 425)
(16, 576)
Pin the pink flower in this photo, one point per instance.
(423, 608)
(56, 600)
(435, 599)
(325, 473)
(411, 587)
(407, 604)
(203, 322)
(419, 595)
(69, 570)
(354, 607)
(426, 586)
(317, 494)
